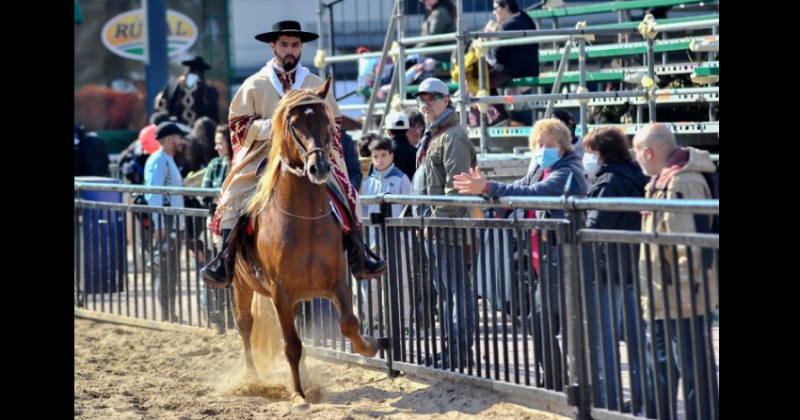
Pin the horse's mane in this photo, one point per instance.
(279, 143)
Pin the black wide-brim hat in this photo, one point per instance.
(196, 63)
(288, 28)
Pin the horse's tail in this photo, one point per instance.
(265, 340)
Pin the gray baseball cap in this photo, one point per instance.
(433, 86)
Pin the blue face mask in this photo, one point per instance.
(547, 158)
(590, 162)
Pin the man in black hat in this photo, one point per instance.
(251, 122)
(188, 97)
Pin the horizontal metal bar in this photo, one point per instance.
(673, 27)
(379, 106)
(175, 211)
(662, 95)
(140, 189)
(662, 100)
(513, 99)
(501, 43)
(644, 204)
(477, 223)
(629, 129)
(552, 203)
(665, 239)
(427, 39)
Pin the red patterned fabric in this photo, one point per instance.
(239, 128)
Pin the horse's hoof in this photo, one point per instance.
(372, 347)
(299, 404)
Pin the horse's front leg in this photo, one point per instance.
(293, 347)
(342, 299)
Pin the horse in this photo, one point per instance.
(101, 108)
(290, 248)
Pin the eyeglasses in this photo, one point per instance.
(432, 100)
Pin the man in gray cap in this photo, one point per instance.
(161, 171)
(444, 152)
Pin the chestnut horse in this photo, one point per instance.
(293, 250)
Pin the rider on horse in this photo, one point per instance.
(250, 120)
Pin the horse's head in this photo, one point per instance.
(309, 133)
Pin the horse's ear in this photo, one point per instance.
(323, 91)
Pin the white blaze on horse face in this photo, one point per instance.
(309, 111)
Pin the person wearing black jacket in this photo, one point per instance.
(614, 174)
(508, 62)
(516, 61)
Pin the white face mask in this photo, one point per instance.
(590, 162)
(191, 79)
